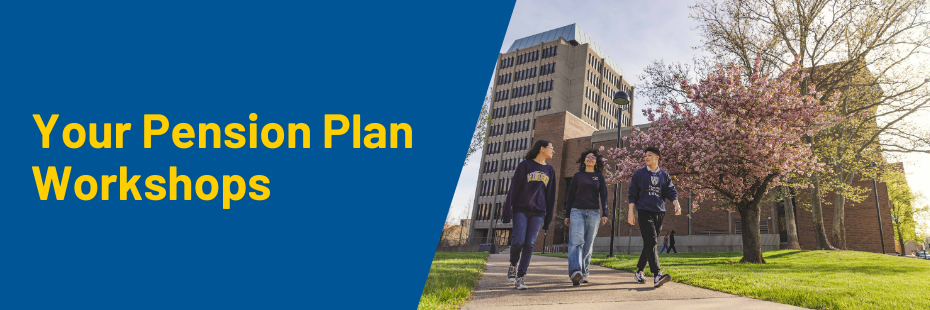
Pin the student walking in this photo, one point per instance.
(664, 244)
(671, 242)
(585, 209)
(529, 204)
(649, 188)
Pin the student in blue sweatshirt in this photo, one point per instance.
(648, 190)
(585, 208)
(529, 204)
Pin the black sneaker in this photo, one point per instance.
(519, 284)
(576, 278)
(661, 279)
(639, 277)
(512, 273)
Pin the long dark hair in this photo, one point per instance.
(598, 162)
(541, 143)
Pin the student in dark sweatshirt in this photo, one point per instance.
(529, 204)
(585, 208)
(649, 188)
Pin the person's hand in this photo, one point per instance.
(566, 221)
(631, 219)
(603, 220)
(677, 208)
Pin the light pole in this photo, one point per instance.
(881, 232)
(621, 99)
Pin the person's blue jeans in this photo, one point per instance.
(582, 227)
(525, 229)
(664, 247)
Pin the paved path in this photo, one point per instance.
(550, 288)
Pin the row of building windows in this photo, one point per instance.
(509, 164)
(593, 78)
(506, 62)
(590, 112)
(545, 86)
(484, 212)
(498, 112)
(504, 79)
(502, 95)
(528, 57)
(515, 145)
(495, 187)
(490, 166)
(594, 61)
(591, 95)
(523, 91)
(522, 108)
(525, 74)
(496, 130)
(493, 148)
(547, 69)
(607, 123)
(550, 51)
(487, 188)
(544, 104)
(518, 126)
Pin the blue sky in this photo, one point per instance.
(634, 34)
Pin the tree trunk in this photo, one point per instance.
(820, 233)
(839, 227)
(901, 241)
(752, 239)
(793, 243)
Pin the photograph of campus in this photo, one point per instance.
(758, 154)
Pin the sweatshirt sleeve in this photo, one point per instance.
(634, 189)
(603, 187)
(519, 177)
(670, 192)
(570, 200)
(550, 198)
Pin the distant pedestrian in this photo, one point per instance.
(671, 242)
(649, 188)
(664, 244)
(529, 204)
(585, 208)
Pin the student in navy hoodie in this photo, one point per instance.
(585, 208)
(529, 204)
(649, 188)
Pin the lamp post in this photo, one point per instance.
(881, 232)
(621, 99)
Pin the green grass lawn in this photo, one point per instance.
(810, 279)
(451, 279)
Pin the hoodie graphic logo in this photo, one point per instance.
(655, 180)
(538, 176)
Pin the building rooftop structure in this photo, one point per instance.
(569, 33)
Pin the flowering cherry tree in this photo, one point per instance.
(737, 138)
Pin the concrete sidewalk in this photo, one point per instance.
(550, 288)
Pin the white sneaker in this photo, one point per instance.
(639, 277)
(661, 279)
(519, 284)
(584, 279)
(512, 273)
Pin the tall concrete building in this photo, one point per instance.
(560, 70)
